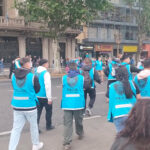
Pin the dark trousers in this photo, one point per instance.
(68, 124)
(92, 95)
(48, 108)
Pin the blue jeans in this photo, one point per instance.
(120, 123)
(20, 118)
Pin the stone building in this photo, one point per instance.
(113, 32)
(19, 39)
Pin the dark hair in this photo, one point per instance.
(87, 61)
(137, 126)
(24, 60)
(146, 63)
(123, 76)
(72, 66)
(125, 56)
(43, 61)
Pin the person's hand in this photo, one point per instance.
(50, 102)
(107, 100)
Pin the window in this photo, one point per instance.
(1, 8)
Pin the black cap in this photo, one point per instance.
(125, 56)
(43, 61)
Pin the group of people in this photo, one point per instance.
(32, 92)
(129, 100)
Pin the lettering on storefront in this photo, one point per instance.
(86, 47)
(103, 48)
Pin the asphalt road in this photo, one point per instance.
(6, 112)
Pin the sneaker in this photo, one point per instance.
(67, 147)
(37, 147)
(88, 112)
(50, 128)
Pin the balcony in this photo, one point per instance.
(9, 22)
(18, 24)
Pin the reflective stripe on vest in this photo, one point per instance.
(72, 95)
(21, 98)
(124, 106)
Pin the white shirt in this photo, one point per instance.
(47, 82)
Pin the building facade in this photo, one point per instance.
(20, 39)
(113, 32)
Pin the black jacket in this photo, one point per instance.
(21, 73)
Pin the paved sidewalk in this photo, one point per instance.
(99, 135)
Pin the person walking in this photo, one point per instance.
(73, 104)
(136, 134)
(125, 61)
(25, 86)
(122, 97)
(110, 72)
(44, 95)
(11, 69)
(90, 75)
(143, 79)
(99, 68)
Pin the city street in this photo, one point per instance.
(6, 113)
(97, 130)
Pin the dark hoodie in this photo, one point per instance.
(21, 74)
(96, 75)
(73, 73)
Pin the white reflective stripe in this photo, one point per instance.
(21, 98)
(23, 107)
(121, 116)
(123, 106)
(73, 108)
(72, 95)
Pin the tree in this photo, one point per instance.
(58, 15)
(143, 20)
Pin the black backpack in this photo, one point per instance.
(114, 68)
(87, 80)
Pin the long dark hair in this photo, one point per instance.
(137, 126)
(123, 76)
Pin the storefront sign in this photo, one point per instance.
(103, 48)
(86, 47)
(130, 49)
